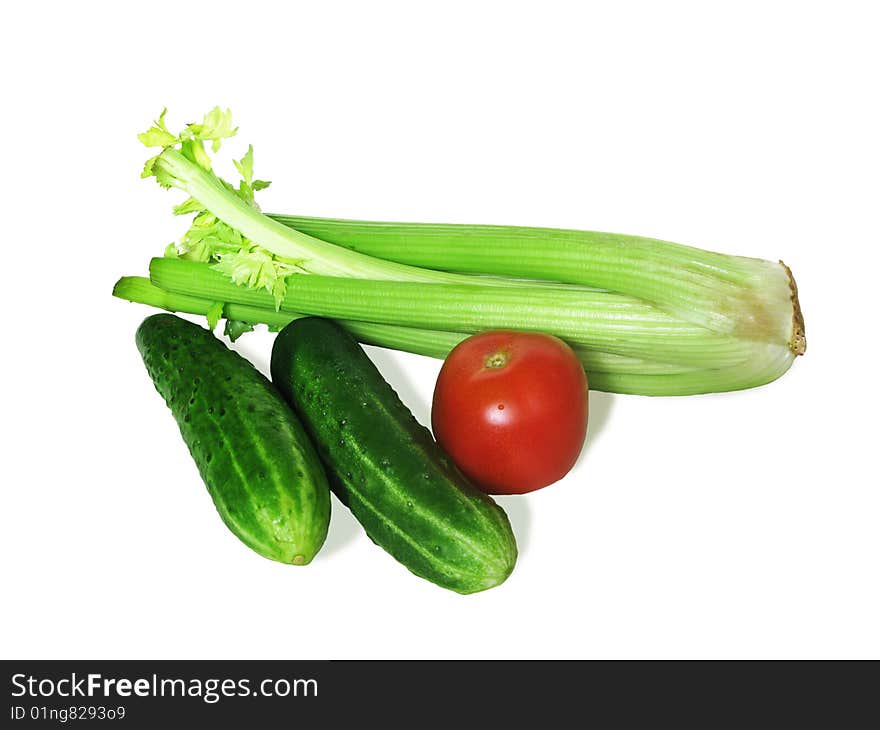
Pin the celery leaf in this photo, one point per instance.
(208, 238)
(257, 269)
(215, 314)
(158, 135)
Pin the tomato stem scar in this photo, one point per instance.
(496, 359)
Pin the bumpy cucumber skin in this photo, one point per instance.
(386, 467)
(252, 452)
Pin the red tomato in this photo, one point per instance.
(510, 408)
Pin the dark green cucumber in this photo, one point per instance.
(399, 484)
(253, 453)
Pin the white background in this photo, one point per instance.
(742, 525)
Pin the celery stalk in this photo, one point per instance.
(433, 343)
(594, 320)
(605, 371)
(748, 297)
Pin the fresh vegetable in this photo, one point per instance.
(605, 371)
(510, 408)
(731, 322)
(626, 327)
(229, 229)
(747, 297)
(253, 454)
(386, 467)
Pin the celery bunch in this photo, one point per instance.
(645, 316)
